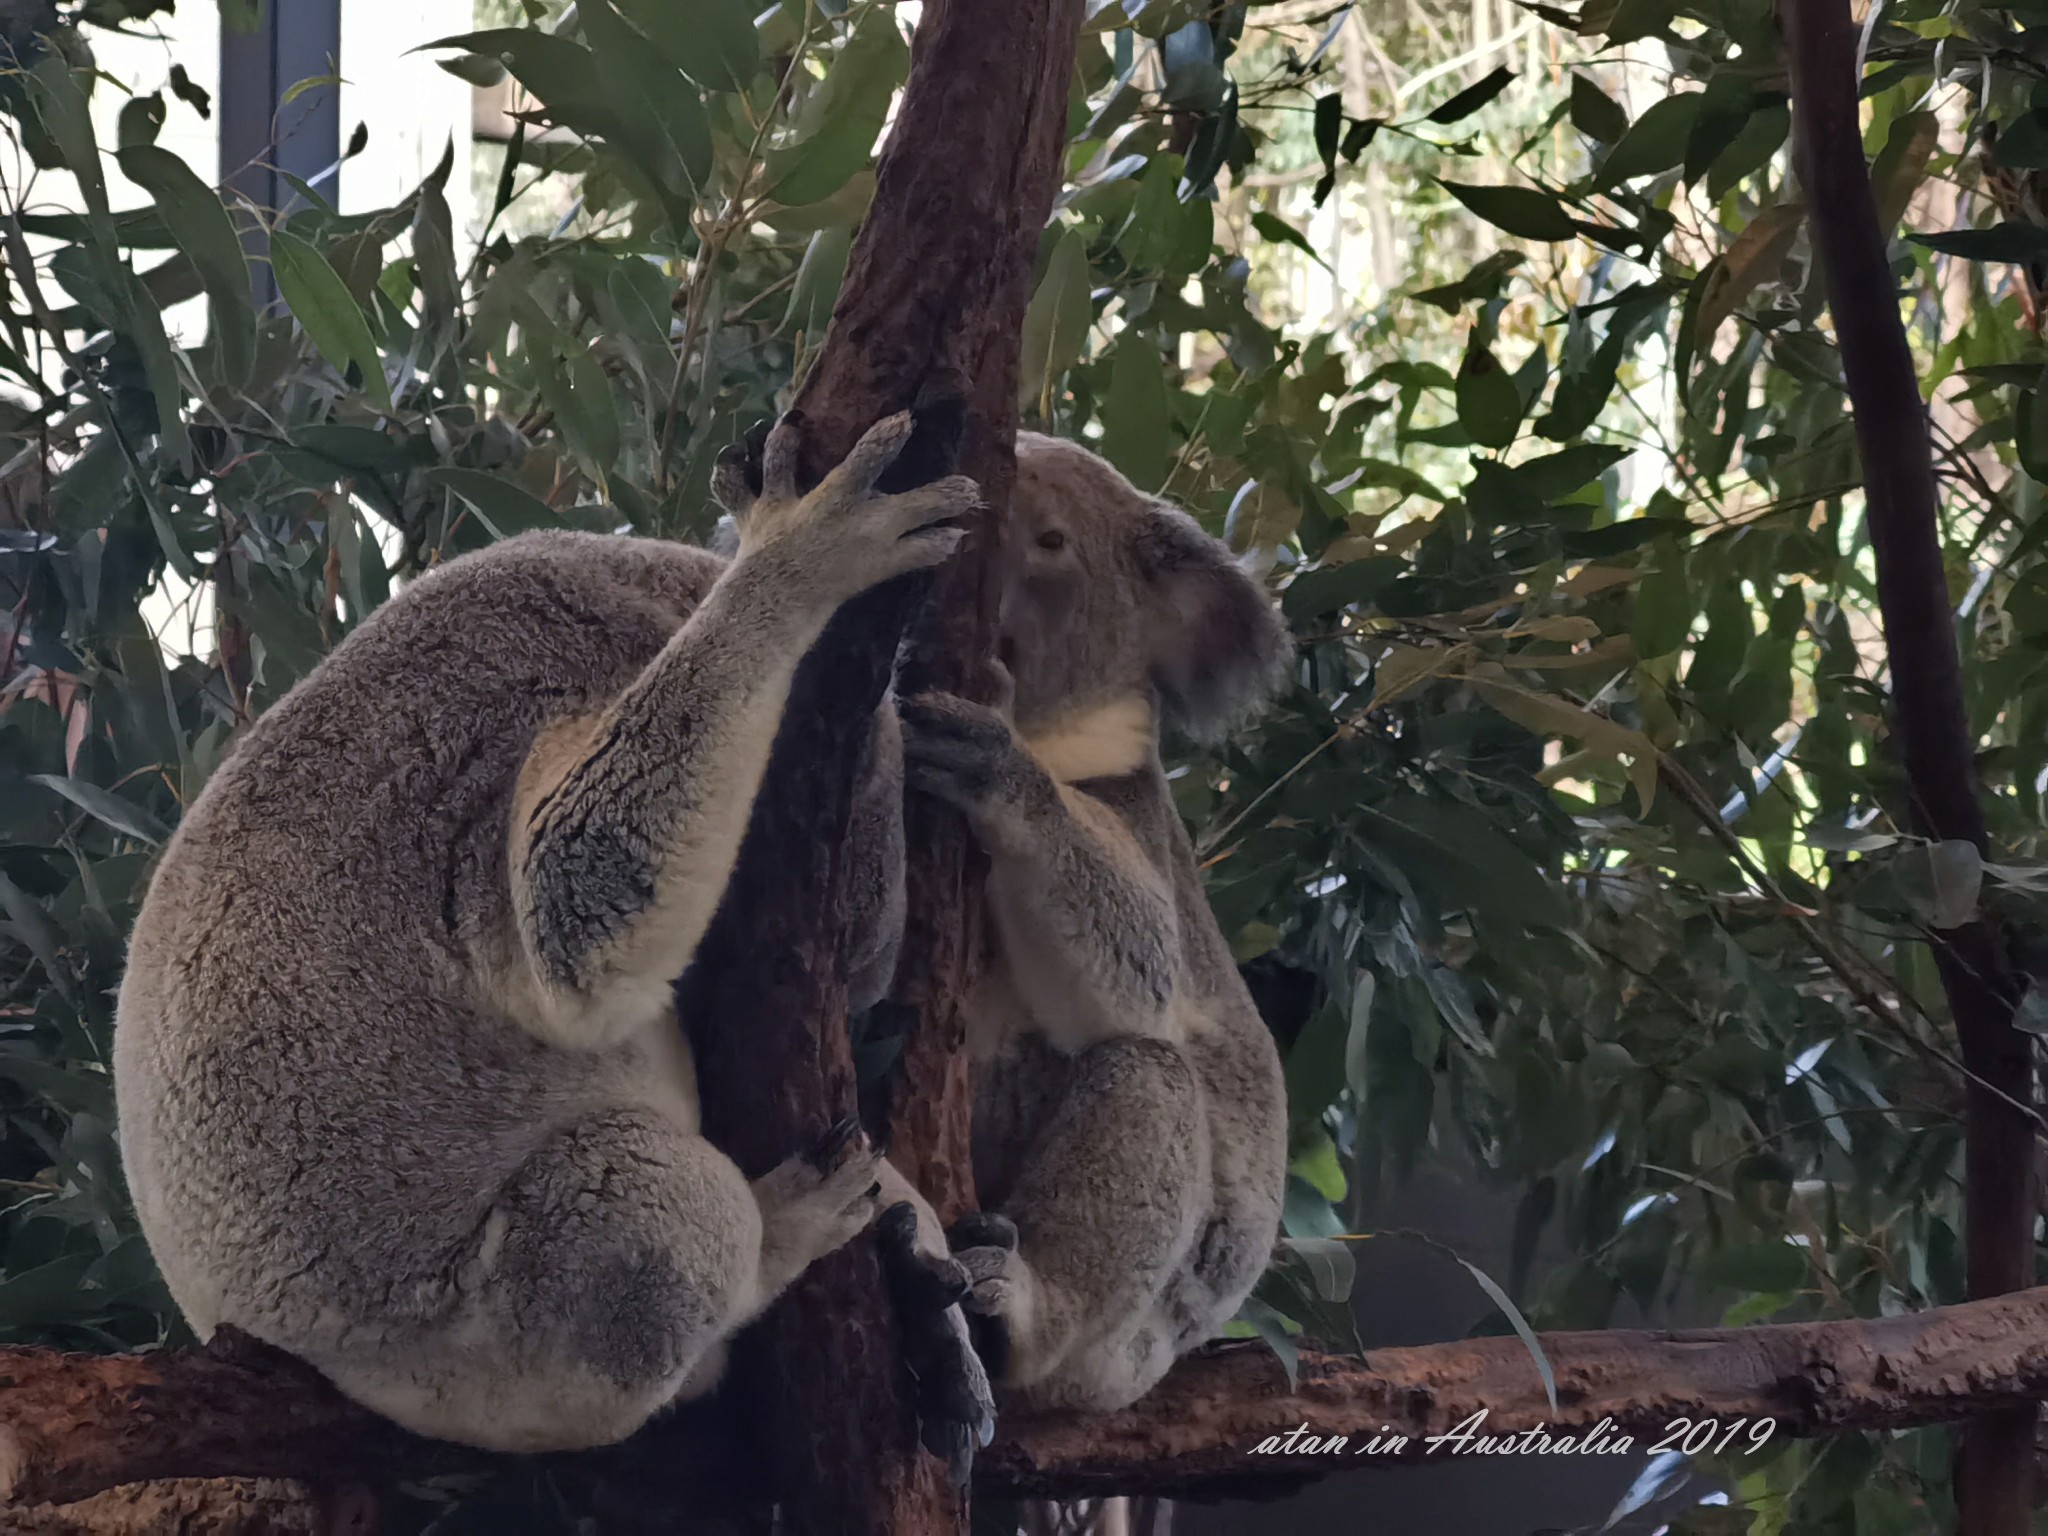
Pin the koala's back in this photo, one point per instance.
(317, 1100)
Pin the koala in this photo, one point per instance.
(1129, 1113)
(400, 1084)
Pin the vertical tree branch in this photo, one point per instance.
(931, 311)
(1994, 1471)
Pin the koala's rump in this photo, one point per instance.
(317, 1100)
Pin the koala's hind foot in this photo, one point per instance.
(955, 1403)
(985, 1247)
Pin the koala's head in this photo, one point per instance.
(1108, 592)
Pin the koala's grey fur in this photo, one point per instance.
(400, 1085)
(1129, 1114)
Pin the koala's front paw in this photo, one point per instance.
(817, 1202)
(955, 1403)
(985, 1247)
(964, 753)
(844, 537)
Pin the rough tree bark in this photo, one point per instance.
(188, 1506)
(73, 1425)
(1994, 1467)
(931, 311)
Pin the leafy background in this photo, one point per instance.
(1577, 859)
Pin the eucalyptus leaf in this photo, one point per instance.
(1596, 114)
(1752, 259)
(1520, 211)
(504, 508)
(711, 41)
(199, 223)
(1522, 1329)
(1056, 323)
(1654, 143)
(2002, 242)
(103, 805)
(1902, 164)
(327, 312)
(1473, 97)
(1489, 405)
(1136, 425)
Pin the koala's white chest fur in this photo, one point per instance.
(1099, 742)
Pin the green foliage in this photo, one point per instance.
(1581, 837)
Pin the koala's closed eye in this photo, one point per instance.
(1052, 539)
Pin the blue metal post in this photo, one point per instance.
(262, 139)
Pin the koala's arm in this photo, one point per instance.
(1087, 920)
(625, 823)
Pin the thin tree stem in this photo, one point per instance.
(1994, 1468)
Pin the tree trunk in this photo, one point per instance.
(1994, 1466)
(931, 312)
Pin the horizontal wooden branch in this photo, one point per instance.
(1202, 1427)
(226, 1506)
(72, 1425)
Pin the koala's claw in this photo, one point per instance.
(955, 1402)
(764, 464)
(848, 1183)
(781, 453)
(832, 1148)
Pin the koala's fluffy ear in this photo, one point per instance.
(1225, 651)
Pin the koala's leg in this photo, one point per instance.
(626, 823)
(1087, 922)
(606, 1278)
(1107, 1206)
(1245, 1101)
